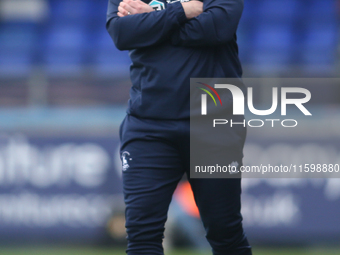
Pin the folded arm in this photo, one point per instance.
(142, 29)
(216, 25)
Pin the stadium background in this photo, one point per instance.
(63, 93)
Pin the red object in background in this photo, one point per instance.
(185, 198)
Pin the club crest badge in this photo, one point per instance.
(125, 160)
(157, 5)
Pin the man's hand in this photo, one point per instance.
(131, 7)
(192, 9)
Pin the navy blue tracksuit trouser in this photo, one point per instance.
(155, 155)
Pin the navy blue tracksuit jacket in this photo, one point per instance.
(167, 49)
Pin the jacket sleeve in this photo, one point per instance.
(142, 30)
(216, 25)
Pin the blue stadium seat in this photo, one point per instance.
(319, 48)
(266, 32)
(320, 10)
(18, 43)
(67, 37)
(273, 46)
(64, 51)
(245, 32)
(245, 45)
(279, 10)
(21, 36)
(318, 62)
(274, 37)
(108, 60)
(321, 36)
(14, 64)
(71, 10)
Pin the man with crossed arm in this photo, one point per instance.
(170, 42)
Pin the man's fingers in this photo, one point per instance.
(125, 6)
(120, 15)
(126, 9)
(134, 4)
(133, 1)
(130, 7)
(138, 5)
(122, 11)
